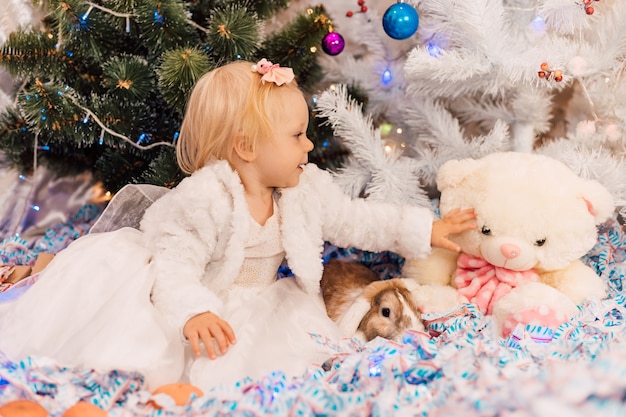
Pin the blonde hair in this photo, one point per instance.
(225, 103)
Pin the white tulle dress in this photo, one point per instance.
(91, 308)
(272, 319)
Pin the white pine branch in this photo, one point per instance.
(391, 177)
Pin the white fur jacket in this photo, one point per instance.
(197, 232)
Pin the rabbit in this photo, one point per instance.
(366, 307)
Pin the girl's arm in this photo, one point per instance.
(180, 254)
(369, 225)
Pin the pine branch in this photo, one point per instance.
(296, 45)
(233, 33)
(393, 178)
(179, 70)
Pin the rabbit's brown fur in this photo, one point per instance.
(392, 308)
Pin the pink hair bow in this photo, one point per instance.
(273, 73)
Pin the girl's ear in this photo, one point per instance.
(243, 148)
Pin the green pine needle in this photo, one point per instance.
(233, 33)
(48, 106)
(163, 25)
(179, 70)
(128, 77)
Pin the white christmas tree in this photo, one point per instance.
(481, 76)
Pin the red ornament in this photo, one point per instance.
(547, 74)
(586, 2)
(589, 10)
(363, 8)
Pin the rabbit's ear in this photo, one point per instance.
(349, 322)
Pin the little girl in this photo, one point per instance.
(194, 295)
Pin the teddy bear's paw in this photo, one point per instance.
(437, 269)
(542, 315)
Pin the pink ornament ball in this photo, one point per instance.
(333, 43)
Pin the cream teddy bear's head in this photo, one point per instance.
(532, 210)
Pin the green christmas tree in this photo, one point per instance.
(105, 82)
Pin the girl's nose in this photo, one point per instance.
(309, 145)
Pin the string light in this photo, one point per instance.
(434, 50)
(158, 18)
(387, 77)
(144, 137)
(538, 24)
(86, 15)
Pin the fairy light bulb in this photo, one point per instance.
(387, 77)
(538, 24)
(433, 50)
(86, 15)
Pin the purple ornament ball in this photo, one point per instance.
(333, 43)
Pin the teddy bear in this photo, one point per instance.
(535, 219)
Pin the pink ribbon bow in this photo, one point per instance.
(273, 72)
(483, 283)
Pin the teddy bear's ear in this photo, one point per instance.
(454, 171)
(600, 202)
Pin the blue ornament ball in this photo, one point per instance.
(333, 43)
(400, 21)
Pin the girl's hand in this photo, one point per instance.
(206, 327)
(456, 221)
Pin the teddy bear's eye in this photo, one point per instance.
(540, 242)
(386, 312)
(485, 231)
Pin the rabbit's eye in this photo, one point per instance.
(540, 242)
(386, 312)
(485, 231)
